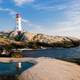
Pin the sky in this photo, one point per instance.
(52, 17)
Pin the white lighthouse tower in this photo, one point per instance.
(18, 23)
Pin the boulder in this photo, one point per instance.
(52, 69)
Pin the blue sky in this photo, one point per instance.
(52, 17)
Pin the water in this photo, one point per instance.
(9, 69)
(59, 53)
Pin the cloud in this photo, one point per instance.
(32, 27)
(21, 2)
(51, 5)
(25, 22)
(49, 8)
(9, 11)
(71, 24)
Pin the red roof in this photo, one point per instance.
(17, 15)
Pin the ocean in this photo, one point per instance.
(58, 53)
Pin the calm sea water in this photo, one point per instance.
(59, 53)
(9, 69)
(54, 53)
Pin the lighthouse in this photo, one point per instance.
(18, 23)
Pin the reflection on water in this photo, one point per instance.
(8, 69)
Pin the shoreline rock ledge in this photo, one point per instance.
(52, 69)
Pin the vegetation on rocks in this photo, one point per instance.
(22, 40)
(19, 37)
(16, 55)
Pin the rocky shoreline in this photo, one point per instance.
(45, 69)
(52, 69)
(72, 60)
(35, 41)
